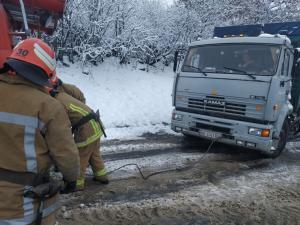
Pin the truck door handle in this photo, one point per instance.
(282, 83)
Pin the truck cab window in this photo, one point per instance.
(233, 59)
(193, 58)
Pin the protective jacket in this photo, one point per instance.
(71, 90)
(34, 134)
(76, 110)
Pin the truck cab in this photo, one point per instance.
(20, 19)
(237, 90)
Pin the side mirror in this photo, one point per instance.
(175, 61)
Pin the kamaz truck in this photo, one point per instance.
(241, 87)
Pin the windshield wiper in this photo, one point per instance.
(240, 71)
(197, 68)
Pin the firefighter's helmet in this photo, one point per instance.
(34, 60)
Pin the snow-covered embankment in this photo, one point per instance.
(131, 102)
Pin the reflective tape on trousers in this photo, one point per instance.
(30, 124)
(31, 218)
(100, 173)
(28, 204)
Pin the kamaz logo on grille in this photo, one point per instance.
(214, 102)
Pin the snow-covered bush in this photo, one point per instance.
(146, 31)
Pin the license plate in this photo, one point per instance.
(210, 134)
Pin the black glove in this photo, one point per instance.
(69, 187)
(53, 92)
(46, 190)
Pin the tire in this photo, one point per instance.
(283, 137)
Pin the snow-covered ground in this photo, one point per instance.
(227, 185)
(131, 101)
(190, 186)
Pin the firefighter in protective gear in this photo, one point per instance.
(34, 135)
(87, 137)
(70, 89)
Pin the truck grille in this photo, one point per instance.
(216, 104)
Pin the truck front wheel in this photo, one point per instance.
(281, 142)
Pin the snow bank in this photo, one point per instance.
(131, 102)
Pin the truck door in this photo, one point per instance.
(280, 90)
(296, 81)
(285, 75)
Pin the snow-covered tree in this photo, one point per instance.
(148, 32)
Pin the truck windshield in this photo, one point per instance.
(239, 59)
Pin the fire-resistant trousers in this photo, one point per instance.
(90, 154)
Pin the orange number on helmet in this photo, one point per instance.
(22, 52)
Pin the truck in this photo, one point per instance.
(241, 87)
(29, 18)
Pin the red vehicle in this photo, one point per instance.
(22, 18)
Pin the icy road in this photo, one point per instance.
(227, 185)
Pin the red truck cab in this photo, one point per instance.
(41, 16)
(5, 39)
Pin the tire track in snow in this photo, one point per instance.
(223, 182)
(139, 151)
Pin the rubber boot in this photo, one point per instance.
(101, 179)
(101, 176)
(80, 184)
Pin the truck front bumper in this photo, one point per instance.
(228, 131)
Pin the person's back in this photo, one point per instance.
(87, 137)
(71, 90)
(27, 118)
(34, 135)
(76, 110)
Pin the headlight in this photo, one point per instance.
(259, 132)
(177, 117)
(255, 131)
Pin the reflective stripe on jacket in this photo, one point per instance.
(76, 110)
(34, 134)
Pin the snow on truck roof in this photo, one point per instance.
(263, 39)
(284, 37)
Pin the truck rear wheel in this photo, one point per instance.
(281, 142)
